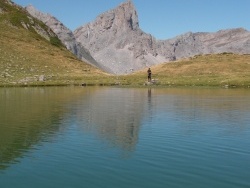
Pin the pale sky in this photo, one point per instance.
(163, 19)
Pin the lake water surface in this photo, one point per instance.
(98, 137)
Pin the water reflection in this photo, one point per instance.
(225, 109)
(149, 96)
(29, 116)
(113, 114)
(174, 137)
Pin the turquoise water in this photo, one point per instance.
(62, 137)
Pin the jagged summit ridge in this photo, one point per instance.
(109, 25)
(63, 33)
(116, 41)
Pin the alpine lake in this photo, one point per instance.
(110, 137)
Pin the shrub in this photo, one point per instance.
(55, 41)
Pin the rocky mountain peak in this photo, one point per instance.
(116, 21)
(126, 16)
(118, 45)
(115, 40)
(37, 14)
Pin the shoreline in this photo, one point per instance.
(136, 85)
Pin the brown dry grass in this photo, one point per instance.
(229, 70)
(25, 55)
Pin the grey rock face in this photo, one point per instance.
(116, 41)
(64, 34)
(231, 40)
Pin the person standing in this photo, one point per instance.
(149, 74)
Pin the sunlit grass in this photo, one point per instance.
(27, 59)
(25, 56)
(226, 70)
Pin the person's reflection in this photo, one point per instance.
(149, 103)
(149, 95)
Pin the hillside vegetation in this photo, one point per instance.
(32, 55)
(224, 70)
(29, 58)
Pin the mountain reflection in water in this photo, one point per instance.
(29, 116)
(113, 114)
(124, 137)
(32, 115)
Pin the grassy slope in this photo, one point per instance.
(25, 56)
(226, 70)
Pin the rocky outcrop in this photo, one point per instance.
(64, 34)
(231, 40)
(116, 41)
(190, 44)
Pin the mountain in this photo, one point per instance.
(116, 41)
(32, 54)
(15, 16)
(64, 34)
